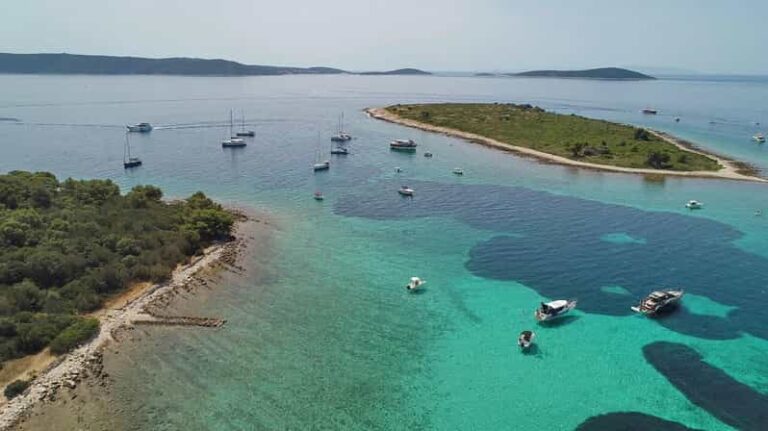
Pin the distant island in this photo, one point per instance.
(406, 71)
(599, 73)
(565, 139)
(70, 64)
(484, 74)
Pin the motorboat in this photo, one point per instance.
(339, 151)
(427, 154)
(322, 166)
(405, 191)
(403, 145)
(657, 301)
(649, 111)
(398, 170)
(319, 196)
(140, 128)
(677, 119)
(694, 205)
(525, 340)
(553, 309)
(759, 138)
(458, 171)
(415, 283)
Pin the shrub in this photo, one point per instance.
(15, 388)
(76, 334)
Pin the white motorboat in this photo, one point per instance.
(322, 166)
(658, 300)
(553, 309)
(694, 205)
(458, 171)
(140, 128)
(406, 191)
(759, 138)
(339, 151)
(525, 340)
(319, 196)
(427, 154)
(415, 283)
(403, 145)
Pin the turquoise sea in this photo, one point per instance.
(321, 333)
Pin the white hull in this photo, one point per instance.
(555, 309)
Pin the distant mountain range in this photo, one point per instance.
(108, 65)
(600, 73)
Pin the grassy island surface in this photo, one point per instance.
(66, 246)
(570, 136)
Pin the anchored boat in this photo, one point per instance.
(128, 161)
(233, 141)
(403, 145)
(415, 283)
(525, 340)
(694, 205)
(649, 111)
(341, 135)
(554, 309)
(657, 301)
(406, 191)
(759, 138)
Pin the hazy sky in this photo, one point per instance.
(463, 35)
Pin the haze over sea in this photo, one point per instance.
(321, 333)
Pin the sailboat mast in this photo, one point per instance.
(127, 148)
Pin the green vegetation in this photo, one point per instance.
(74, 335)
(15, 388)
(66, 246)
(571, 136)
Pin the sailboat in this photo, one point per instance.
(128, 161)
(243, 132)
(233, 141)
(341, 136)
(320, 166)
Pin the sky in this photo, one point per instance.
(715, 36)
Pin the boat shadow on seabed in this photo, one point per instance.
(560, 321)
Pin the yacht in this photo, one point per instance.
(322, 166)
(658, 300)
(553, 309)
(243, 132)
(233, 141)
(415, 283)
(340, 135)
(649, 111)
(759, 138)
(403, 145)
(339, 151)
(525, 340)
(458, 171)
(128, 160)
(694, 205)
(319, 196)
(427, 154)
(140, 128)
(406, 191)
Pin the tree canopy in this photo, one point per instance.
(66, 246)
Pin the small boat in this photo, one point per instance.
(427, 154)
(525, 340)
(415, 283)
(553, 309)
(694, 205)
(406, 191)
(658, 300)
(341, 135)
(243, 132)
(403, 145)
(398, 170)
(322, 166)
(140, 128)
(649, 111)
(128, 161)
(759, 138)
(339, 151)
(677, 119)
(458, 171)
(233, 141)
(319, 196)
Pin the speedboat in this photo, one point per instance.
(657, 300)
(650, 111)
(322, 166)
(694, 205)
(759, 138)
(339, 151)
(427, 154)
(319, 196)
(405, 191)
(415, 283)
(233, 142)
(131, 162)
(458, 171)
(553, 309)
(141, 128)
(403, 145)
(525, 340)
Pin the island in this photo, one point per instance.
(68, 247)
(72, 64)
(484, 74)
(406, 71)
(611, 73)
(566, 139)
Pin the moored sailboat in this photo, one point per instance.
(128, 160)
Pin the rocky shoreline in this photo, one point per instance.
(85, 364)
